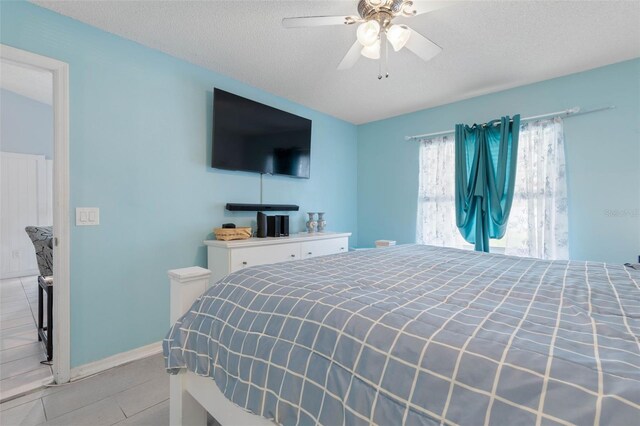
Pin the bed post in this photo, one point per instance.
(186, 285)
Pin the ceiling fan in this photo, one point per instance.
(375, 26)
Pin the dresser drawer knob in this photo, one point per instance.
(341, 248)
(244, 263)
(293, 255)
(309, 253)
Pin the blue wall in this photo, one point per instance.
(27, 125)
(139, 150)
(602, 154)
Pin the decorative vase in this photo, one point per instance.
(311, 223)
(321, 222)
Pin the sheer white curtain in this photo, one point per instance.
(436, 223)
(538, 224)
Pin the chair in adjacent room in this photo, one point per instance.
(42, 239)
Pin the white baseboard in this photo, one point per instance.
(115, 360)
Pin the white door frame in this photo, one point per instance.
(61, 258)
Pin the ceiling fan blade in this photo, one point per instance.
(318, 21)
(351, 57)
(424, 48)
(413, 8)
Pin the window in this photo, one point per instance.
(538, 225)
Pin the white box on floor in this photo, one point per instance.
(385, 243)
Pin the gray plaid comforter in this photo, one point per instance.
(421, 335)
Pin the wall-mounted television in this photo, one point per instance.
(253, 137)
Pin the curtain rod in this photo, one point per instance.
(566, 113)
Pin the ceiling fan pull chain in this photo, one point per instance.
(386, 58)
(380, 59)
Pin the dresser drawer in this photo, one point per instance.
(252, 256)
(310, 249)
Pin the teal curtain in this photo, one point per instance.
(486, 159)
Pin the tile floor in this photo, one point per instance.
(20, 351)
(132, 394)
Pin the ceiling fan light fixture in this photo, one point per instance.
(372, 51)
(375, 24)
(398, 36)
(368, 33)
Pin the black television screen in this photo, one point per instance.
(254, 137)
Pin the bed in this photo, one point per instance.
(409, 334)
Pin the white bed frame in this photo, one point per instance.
(192, 396)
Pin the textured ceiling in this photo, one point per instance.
(29, 82)
(488, 46)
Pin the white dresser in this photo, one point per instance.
(225, 257)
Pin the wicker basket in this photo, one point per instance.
(226, 234)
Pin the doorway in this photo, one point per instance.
(34, 193)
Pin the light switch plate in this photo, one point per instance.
(87, 216)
